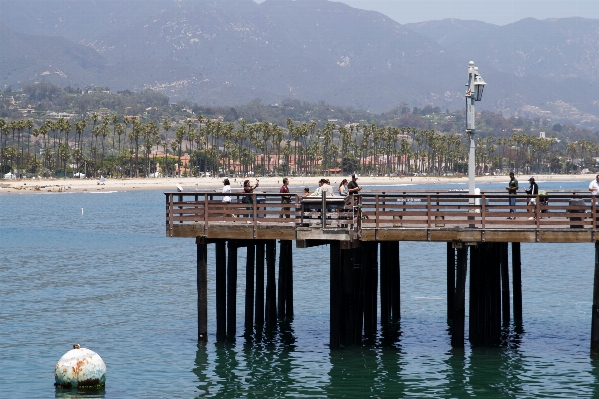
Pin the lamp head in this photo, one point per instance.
(479, 86)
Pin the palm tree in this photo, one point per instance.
(119, 130)
(179, 135)
(115, 121)
(166, 126)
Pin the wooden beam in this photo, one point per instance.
(202, 287)
(232, 290)
(249, 288)
(221, 290)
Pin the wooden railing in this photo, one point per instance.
(401, 209)
(486, 211)
(209, 208)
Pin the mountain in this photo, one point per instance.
(27, 58)
(552, 48)
(230, 52)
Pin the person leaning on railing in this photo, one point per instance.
(532, 190)
(249, 190)
(352, 188)
(512, 190)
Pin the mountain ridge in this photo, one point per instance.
(230, 52)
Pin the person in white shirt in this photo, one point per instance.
(227, 195)
(326, 188)
(594, 186)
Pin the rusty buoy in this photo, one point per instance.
(80, 368)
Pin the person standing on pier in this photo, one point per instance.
(594, 186)
(326, 188)
(343, 188)
(352, 188)
(249, 190)
(512, 190)
(532, 190)
(285, 199)
(227, 195)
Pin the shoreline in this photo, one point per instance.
(267, 183)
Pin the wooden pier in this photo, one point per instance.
(364, 236)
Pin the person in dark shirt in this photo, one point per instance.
(532, 190)
(285, 199)
(352, 189)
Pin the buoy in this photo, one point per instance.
(80, 368)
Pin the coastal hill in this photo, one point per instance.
(230, 52)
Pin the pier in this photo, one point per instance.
(364, 236)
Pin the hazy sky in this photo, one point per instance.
(498, 12)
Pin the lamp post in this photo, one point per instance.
(476, 84)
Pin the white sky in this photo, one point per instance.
(499, 12)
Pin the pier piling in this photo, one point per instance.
(595, 309)
(335, 295)
(249, 287)
(221, 290)
(505, 283)
(517, 281)
(202, 287)
(260, 309)
(271, 285)
(232, 289)
(451, 265)
(459, 313)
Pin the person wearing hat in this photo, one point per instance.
(532, 190)
(512, 190)
(285, 198)
(352, 188)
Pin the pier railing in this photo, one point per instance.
(405, 209)
(486, 211)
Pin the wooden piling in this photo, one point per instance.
(221, 290)
(476, 282)
(282, 295)
(289, 280)
(260, 309)
(359, 289)
(459, 315)
(249, 287)
(450, 281)
(485, 294)
(348, 302)
(335, 295)
(385, 279)
(202, 287)
(595, 309)
(517, 281)
(505, 284)
(232, 290)
(395, 283)
(271, 285)
(368, 253)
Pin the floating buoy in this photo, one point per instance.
(80, 368)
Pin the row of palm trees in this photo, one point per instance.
(112, 144)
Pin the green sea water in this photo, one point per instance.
(110, 280)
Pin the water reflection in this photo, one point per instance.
(358, 372)
(260, 367)
(80, 393)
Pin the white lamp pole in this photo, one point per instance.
(475, 85)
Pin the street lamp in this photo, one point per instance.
(476, 85)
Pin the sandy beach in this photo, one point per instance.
(266, 183)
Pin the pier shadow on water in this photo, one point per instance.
(260, 366)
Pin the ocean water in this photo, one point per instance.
(96, 269)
